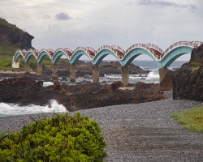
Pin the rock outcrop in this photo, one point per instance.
(10, 34)
(25, 91)
(187, 81)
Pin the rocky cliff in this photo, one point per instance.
(187, 81)
(10, 34)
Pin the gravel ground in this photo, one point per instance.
(138, 132)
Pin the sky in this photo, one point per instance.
(93, 23)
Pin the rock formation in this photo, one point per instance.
(187, 81)
(25, 91)
(10, 34)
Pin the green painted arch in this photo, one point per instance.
(42, 55)
(77, 55)
(173, 55)
(57, 56)
(17, 55)
(130, 56)
(28, 56)
(103, 53)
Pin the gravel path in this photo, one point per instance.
(138, 132)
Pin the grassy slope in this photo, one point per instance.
(7, 52)
(4, 22)
(6, 55)
(191, 119)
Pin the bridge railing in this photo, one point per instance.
(155, 47)
(79, 48)
(135, 46)
(105, 47)
(176, 45)
(91, 49)
(118, 48)
(91, 55)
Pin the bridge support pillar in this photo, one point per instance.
(72, 73)
(162, 73)
(95, 73)
(27, 67)
(39, 69)
(54, 71)
(125, 75)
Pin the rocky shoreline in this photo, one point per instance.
(137, 132)
(25, 91)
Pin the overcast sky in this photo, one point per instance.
(73, 23)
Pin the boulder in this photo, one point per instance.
(187, 81)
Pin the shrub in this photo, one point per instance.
(61, 138)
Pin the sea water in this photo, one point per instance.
(152, 77)
(14, 109)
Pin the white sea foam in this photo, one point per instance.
(14, 109)
(153, 74)
(45, 84)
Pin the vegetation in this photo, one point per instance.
(4, 22)
(195, 65)
(191, 119)
(61, 138)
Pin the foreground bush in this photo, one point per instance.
(61, 138)
(191, 119)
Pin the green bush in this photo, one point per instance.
(196, 64)
(62, 138)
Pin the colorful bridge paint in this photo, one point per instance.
(163, 58)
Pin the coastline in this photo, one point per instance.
(138, 132)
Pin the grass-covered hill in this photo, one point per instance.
(13, 38)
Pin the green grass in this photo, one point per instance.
(7, 52)
(191, 119)
(14, 27)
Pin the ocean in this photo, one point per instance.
(153, 77)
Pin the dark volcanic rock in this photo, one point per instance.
(25, 91)
(187, 84)
(10, 34)
(13, 90)
(187, 81)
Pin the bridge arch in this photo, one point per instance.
(19, 54)
(57, 55)
(132, 54)
(172, 55)
(29, 55)
(102, 54)
(77, 54)
(42, 54)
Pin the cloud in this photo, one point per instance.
(129, 4)
(45, 17)
(165, 4)
(62, 16)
